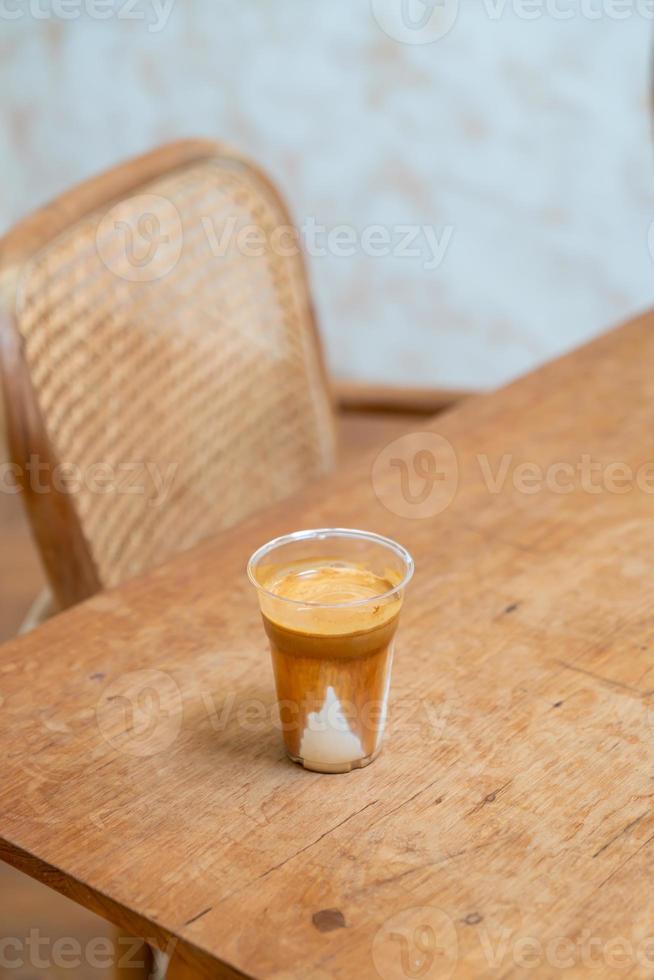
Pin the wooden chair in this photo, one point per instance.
(160, 333)
(175, 363)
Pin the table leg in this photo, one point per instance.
(178, 969)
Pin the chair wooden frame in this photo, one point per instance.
(70, 569)
(354, 397)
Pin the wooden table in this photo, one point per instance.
(507, 828)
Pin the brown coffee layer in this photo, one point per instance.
(354, 666)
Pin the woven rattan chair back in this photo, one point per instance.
(162, 370)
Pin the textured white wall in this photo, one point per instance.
(523, 143)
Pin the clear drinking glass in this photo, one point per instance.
(330, 601)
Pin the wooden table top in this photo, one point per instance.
(507, 827)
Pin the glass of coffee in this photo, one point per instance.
(330, 601)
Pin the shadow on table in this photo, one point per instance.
(240, 727)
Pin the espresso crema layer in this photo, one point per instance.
(339, 596)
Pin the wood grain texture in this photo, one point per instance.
(508, 821)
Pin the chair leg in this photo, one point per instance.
(160, 964)
(41, 610)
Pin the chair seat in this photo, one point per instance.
(361, 432)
